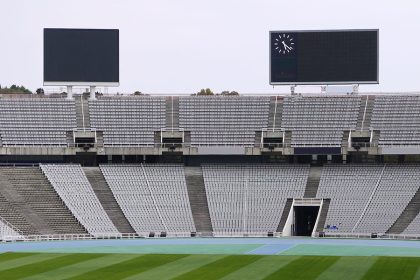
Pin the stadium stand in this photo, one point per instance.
(223, 120)
(396, 187)
(247, 188)
(319, 121)
(128, 120)
(398, 120)
(71, 184)
(36, 192)
(36, 121)
(414, 227)
(6, 230)
(251, 198)
(349, 188)
(154, 198)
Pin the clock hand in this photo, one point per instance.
(286, 47)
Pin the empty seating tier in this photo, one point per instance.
(128, 120)
(398, 120)
(36, 121)
(349, 188)
(367, 198)
(223, 120)
(319, 121)
(154, 198)
(397, 186)
(250, 198)
(71, 184)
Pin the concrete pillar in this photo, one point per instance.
(69, 92)
(92, 93)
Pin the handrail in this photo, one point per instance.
(364, 114)
(370, 199)
(98, 236)
(10, 225)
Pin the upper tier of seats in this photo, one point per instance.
(223, 120)
(215, 120)
(398, 120)
(128, 121)
(36, 121)
(316, 121)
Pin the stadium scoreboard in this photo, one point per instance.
(324, 57)
(81, 57)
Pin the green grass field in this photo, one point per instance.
(227, 267)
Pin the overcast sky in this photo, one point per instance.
(181, 46)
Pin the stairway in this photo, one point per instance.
(285, 214)
(13, 215)
(313, 182)
(365, 113)
(198, 199)
(407, 216)
(107, 199)
(275, 112)
(287, 139)
(323, 215)
(172, 113)
(258, 135)
(345, 140)
(42, 204)
(82, 113)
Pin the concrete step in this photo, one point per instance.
(285, 214)
(47, 210)
(275, 112)
(323, 215)
(312, 183)
(407, 216)
(107, 199)
(198, 199)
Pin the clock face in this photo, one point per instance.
(284, 43)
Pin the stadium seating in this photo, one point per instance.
(396, 188)
(71, 184)
(367, 198)
(319, 121)
(349, 188)
(153, 198)
(250, 198)
(223, 120)
(6, 231)
(128, 120)
(36, 121)
(398, 120)
(414, 227)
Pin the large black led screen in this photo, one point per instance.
(324, 57)
(89, 56)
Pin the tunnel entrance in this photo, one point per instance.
(305, 218)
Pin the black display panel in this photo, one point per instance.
(81, 56)
(324, 57)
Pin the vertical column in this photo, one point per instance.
(69, 92)
(92, 93)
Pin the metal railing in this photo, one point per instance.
(61, 237)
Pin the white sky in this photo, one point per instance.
(181, 46)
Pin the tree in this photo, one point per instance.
(40, 91)
(138, 93)
(229, 93)
(14, 89)
(206, 91)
